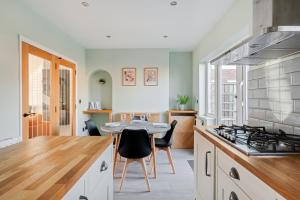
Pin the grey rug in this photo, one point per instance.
(191, 163)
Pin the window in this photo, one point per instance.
(228, 94)
(211, 90)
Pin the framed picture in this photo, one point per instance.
(129, 76)
(151, 76)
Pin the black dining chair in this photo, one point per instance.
(92, 128)
(165, 143)
(134, 146)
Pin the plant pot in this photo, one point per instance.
(182, 106)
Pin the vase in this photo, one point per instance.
(182, 106)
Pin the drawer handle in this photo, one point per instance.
(81, 197)
(233, 196)
(206, 163)
(234, 173)
(103, 167)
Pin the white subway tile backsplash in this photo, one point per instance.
(273, 93)
(273, 116)
(253, 122)
(268, 125)
(257, 113)
(260, 93)
(297, 106)
(253, 84)
(274, 96)
(265, 104)
(291, 66)
(285, 128)
(295, 78)
(292, 119)
(253, 103)
(297, 130)
(295, 92)
(262, 83)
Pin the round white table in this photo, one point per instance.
(116, 129)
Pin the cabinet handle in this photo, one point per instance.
(234, 173)
(81, 197)
(233, 196)
(206, 163)
(103, 167)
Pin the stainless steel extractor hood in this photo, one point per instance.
(276, 34)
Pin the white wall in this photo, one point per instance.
(137, 98)
(234, 27)
(17, 19)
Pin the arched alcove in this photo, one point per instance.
(100, 90)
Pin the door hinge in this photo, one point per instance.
(55, 66)
(55, 109)
(75, 72)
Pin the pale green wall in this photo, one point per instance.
(137, 98)
(101, 92)
(17, 19)
(234, 27)
(181, 83)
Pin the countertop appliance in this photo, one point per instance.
(276, 34)
(256, 141)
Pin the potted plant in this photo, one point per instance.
(182, 101)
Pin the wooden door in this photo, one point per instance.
(41, 93)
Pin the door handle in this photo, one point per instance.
(28, 114)
(233, 196)
(81, 197)
(103, 167)
(234, 173)
(206, 163)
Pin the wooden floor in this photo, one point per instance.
(167, 186)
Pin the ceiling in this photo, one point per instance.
(133, 23)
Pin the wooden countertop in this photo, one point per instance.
(282, 173)
(47, 167)
(183, 111)
(96, 111)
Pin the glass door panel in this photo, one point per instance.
(65, 100)
(228, 95)
(39, 96)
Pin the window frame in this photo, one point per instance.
(242, 114)
(212, 115)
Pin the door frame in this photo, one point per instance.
(57, 54)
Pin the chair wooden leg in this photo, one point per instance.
(143, 163)
(124, 173)
(170, 159)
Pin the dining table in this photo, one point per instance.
(153, 128)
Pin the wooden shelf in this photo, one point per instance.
(96, 111)
(90, 112)
(183, 111)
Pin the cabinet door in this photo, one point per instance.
(226, 189)
(205, 168)
(76, 191)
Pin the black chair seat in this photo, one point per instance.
(159, 142)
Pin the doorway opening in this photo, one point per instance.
(48, 94)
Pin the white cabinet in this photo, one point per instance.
(76, 191)
(204, 168)
(97, 182)
(251, 185)
(227, 190)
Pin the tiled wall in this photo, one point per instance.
(274, 96)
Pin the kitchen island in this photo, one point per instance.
(57, 168)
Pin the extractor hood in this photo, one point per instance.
(276, 34)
